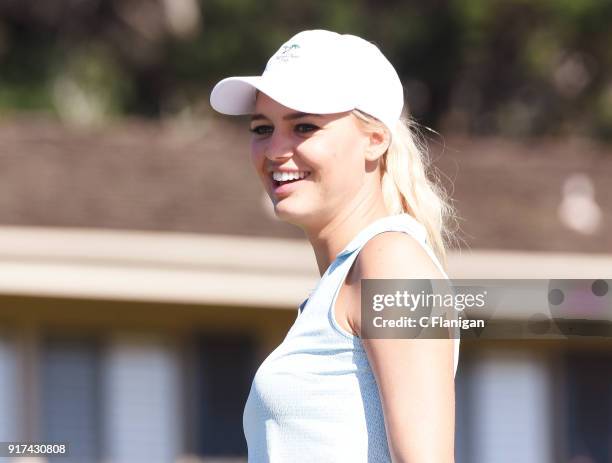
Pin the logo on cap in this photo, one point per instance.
(288, 52)
(284, 54)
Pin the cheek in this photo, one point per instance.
(338, 169)
(257, 154)
(321, 153)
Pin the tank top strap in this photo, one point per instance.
(330, 283)
(400, 222)
(335, 275)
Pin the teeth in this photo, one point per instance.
(284, 176)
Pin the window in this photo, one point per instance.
(227, 367)
(69, 398)
(589, 406)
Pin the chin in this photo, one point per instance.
(287, 212)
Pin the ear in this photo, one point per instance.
(378, 143)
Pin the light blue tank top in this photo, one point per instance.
(315, 398)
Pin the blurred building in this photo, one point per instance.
(143, 278)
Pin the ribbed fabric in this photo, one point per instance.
(315, 398)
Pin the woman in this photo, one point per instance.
(338, 160)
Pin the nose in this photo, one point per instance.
(279, 146)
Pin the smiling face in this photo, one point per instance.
(311, 166)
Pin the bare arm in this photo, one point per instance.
(415, 376)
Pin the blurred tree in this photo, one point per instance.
(514, 67)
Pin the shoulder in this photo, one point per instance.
(391, 254)
(395, 254)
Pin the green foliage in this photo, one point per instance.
(516, 67)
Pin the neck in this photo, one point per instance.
(329, 239)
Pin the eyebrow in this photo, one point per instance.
(288, 117)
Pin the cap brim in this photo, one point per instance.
(235, 95)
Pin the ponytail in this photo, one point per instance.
(406, 183)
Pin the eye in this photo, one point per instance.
(305, 128)
(261, 129)
(267, 129)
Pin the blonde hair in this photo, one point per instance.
(410, 183)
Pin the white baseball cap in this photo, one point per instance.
(320, 72)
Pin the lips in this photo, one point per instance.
(277, 183)
(283, 188)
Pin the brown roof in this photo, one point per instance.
(196, 177)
